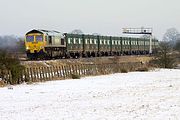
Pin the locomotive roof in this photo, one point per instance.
(48, 32)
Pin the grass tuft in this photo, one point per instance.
(143, 69)
(75, 76)
(123, 70)
(2, 84)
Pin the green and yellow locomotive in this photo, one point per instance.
(46, 44)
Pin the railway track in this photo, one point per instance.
(94, 60)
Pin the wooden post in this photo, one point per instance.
(57, 72)
(65, 71)
(75, 69)
(31, 75)
(79, 69)
(37, 73)
(51, 70)
(60, 71)
(48, 73)
(40, 72)
(45, 73)
(34, 73)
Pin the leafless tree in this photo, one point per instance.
(165, 58)
(171, 35)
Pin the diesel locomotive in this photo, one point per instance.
(45, 44)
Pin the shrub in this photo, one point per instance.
(75, 76)
(143, 69)
(2, 84)
(164, 58)
(9, 63)
(123, 70)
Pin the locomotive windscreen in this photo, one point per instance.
(29, 38)
(39, 38)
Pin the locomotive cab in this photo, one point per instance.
(34, 42)
(43, 44)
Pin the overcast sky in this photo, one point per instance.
(106, 17)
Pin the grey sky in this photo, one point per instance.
(106, 17)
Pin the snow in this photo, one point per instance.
(153, 95)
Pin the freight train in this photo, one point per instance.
(45, 44)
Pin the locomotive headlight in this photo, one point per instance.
(27, 48)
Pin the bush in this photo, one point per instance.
(143, 69)
(2, 84)
(123, 70)
(164, 58)
(9, 63)
(75, 76)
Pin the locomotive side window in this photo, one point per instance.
(50, 39)
(29, 38)
(62, 41)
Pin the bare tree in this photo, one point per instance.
(8, 41)
(171, 35)
(165, 58)
(9, 63)
(177, 44)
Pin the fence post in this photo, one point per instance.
(65, 71)
(46, 74)
(40, 73)
(60, 71)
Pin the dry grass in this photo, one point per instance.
(97, 60)
(2, 84)
(143, 69)
(75, 76)
(123, 70)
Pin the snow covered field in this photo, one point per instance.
(126, 96)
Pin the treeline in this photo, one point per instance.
(168, 55)
(172, 37)
(12, 43)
